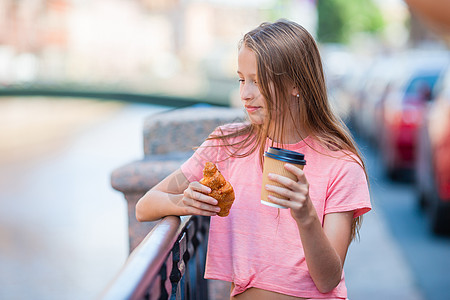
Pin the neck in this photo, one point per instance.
(290, 135)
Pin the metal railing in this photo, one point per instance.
(168, 264)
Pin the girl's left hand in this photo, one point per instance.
(297, 192)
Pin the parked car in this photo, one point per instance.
(402, 114)
(374, 87)
(432, 177)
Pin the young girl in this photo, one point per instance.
(266, 252)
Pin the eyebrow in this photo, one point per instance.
(243, 74)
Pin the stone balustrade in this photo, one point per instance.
(169, 138)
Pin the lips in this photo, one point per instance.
(251, 109)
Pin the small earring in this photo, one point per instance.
(298, 96)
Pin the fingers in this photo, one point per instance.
(294, 190)
(280, 191)
(286, 203)
(202, 212)
(287, 182)
(197, 202)
(297, 172)
(197, 186)
(198, 191)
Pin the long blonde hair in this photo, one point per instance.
(287, 56)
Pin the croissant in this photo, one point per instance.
(221, 190)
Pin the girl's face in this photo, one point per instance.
(251, 97)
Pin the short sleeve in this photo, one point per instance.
(348, 189)
(193, 167)
(210, 150)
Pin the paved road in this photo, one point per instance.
(63, 229)
(426, 255)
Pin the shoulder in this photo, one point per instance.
(335, 162)
(230, 133)
(230, 128)
(222, 137)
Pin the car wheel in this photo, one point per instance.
(439, 215)
(422, 200)
(393, 174)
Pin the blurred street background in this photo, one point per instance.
(78, 78)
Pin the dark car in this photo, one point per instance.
(372, 87)
(432, 177)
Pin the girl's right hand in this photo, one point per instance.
(197, 202)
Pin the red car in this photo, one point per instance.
(402, 113)
(433, 159)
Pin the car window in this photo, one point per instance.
(446, 86)
(420, 87)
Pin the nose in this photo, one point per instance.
(247, 91)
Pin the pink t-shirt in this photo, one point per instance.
(259, 246)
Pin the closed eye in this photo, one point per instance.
(243, 80)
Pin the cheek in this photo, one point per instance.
(262, 115)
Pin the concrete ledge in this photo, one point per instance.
(140, 176)
(182, 129)
(169, 139)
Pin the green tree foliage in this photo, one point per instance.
(338, 20)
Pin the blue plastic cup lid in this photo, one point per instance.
(289, 156)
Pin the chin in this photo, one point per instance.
(256, 121)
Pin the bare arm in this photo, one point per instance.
(325, 247)
(175, 195)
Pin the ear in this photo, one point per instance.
(294, 91)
